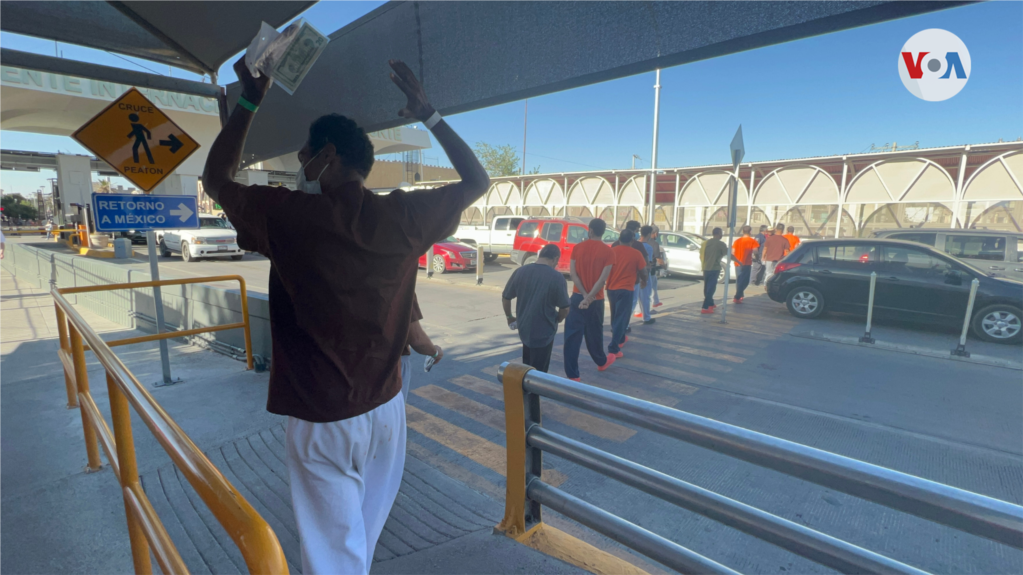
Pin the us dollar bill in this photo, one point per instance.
(291, 67)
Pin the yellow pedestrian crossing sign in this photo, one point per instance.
(137, 139)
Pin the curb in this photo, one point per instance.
(912, 350)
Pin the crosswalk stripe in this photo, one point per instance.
(484, 414)
(454, 470)
(644, 340)
(582, 421)
(476, 448)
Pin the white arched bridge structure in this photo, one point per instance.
(970, 186)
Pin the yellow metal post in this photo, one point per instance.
(82, 380)
(245, 319)
(121, 416)
(72, 395)
(514, 522)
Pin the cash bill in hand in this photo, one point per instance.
(285, 56)
(291, 67)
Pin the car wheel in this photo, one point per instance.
(529, 260)
(185, 254)
(237, 258)
(805, 302)
(999, 324)
(487, 258)
(164, 251)
(439, 266)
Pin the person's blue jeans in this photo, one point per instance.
(742, 281)
(621, 313)
(653, 288)
(642, 297)
(585, 324)
(710, 284)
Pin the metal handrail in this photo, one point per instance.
(243, 325)
(963, 510)
(255, 539)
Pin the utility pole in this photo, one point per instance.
(525, 125)
(634, 158)
(653, 154)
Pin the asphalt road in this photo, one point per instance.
(951, 422)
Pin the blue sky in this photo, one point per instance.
(831, 94)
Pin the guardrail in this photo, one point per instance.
(253, 536)
(527, 440)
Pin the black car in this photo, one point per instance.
(914, 283)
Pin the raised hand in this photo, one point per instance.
(417, 107)
(253, 89)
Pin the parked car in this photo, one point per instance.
(451, 256)
(682, 250)
(498, 238)
(993, 251)
(914, 283)
(535, 233)
(214, 239)
(135, 236)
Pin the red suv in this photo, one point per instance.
(533, 234)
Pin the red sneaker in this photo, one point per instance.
(618, 355)
(623, 342)
(610, 360)
(658, 304)
(708, 310)
(574, 379)
(737, 300)
(638, 315)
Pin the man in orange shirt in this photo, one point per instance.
(792, 238)
(590, 267)
(620, 286)
(742, 255)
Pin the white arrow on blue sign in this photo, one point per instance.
(124, 212)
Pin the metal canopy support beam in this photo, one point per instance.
(19, 59)
(465, 63)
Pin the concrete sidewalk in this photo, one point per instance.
(56, 518)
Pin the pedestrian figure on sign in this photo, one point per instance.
(141, 134)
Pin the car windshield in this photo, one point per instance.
(213, 223)
(451, 240)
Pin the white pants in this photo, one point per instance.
(770, 270)
(344, 478)
(406, 375)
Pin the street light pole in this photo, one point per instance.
(653, 154)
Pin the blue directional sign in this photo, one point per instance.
(124, 212)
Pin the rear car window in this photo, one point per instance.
(851, 254)
(610, 236)
(501, 224)
(991, 248)
(927, 239)
(910, 261)
(552, 232)
(528, 229)
(577, 234)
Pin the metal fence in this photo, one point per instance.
(527, 440)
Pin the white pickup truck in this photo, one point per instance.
(215, 238)
(496, 239)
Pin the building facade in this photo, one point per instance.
(971, 186)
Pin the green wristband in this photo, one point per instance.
(247, 105)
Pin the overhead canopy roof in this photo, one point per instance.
(194, 36)
(472, 55)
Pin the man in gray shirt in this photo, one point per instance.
(542, 294)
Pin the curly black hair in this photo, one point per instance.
(349, 139)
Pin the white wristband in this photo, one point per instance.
(432, 120)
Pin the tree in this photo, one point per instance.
(498, 161)
(104, 186)
(16, 206)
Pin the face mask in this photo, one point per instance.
(305, 185)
